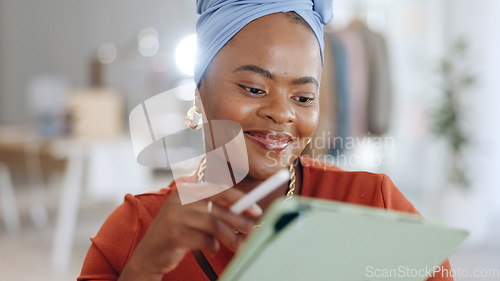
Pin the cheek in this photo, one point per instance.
(231, 110)
(306, 125)
(307, 122)
(225, 105)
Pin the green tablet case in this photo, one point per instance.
(312, 239)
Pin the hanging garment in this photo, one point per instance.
(342, 89)
(379, 94)
(357, 80)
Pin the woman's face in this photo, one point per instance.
(266, 78)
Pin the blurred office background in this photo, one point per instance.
(71, 71)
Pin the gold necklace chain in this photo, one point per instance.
(291, 186)
(201, 170)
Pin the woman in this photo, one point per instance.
(259, 64)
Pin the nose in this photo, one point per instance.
(278, 108)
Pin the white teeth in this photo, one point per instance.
(269, 139)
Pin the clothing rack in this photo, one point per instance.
(356, 93)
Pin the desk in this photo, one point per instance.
(23, 150)
(111, 159)
(17, 142)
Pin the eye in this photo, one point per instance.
(253, 91)
(303, 100)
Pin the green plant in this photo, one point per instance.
(447, 118)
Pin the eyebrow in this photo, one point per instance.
(269, 75)
(256, 69)
(305, 80)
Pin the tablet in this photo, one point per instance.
(313, 239)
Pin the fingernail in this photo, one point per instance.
(216, 249)
(256, 209)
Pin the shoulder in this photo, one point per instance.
(327, 181)
(127, 224)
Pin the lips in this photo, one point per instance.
(270, 140)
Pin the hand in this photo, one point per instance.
(178, 229)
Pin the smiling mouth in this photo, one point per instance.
(269, 140)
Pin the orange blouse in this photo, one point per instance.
(121, 232)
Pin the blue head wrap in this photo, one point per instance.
(220, 20)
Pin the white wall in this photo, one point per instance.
(60, 36)
(479, 22)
